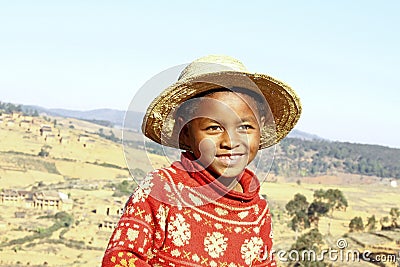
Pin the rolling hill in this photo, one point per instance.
(299, 154)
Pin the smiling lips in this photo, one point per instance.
(230, 159)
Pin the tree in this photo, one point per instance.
(356, 224)
(298, 203)
(395, 213)
(334, 197)
(371, 224)
(45, 151)
(64, 219)
(319, 194)
(126, 187)
(297, 208)
(300, 221)
(316, 210)
(308, 242)
(386, 223)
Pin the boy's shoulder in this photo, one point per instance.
(164, 184)
(164, 175)
(176, 174)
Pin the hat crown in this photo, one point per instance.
(211, 64)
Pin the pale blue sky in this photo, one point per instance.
(342, 57)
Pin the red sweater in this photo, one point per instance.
(182, 216)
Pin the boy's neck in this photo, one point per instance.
(231, 183)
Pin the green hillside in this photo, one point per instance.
(296, 157)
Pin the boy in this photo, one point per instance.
(205, 209)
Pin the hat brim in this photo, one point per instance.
(283, 102)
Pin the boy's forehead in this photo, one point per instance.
(217, 105)
(230, 99)
(223, 96)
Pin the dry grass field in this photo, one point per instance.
(88, 171)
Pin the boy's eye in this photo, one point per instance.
(245, 127)
(214, 128)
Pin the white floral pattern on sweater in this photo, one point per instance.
(215, 244)
(179, 230)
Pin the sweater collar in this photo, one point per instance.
(248, 180)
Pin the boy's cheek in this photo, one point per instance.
(206, 151)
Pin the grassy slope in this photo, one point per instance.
(72, 160)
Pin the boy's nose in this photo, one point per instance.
(230, 140)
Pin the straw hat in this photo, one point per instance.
(212, 72)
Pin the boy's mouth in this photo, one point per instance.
(229, 159)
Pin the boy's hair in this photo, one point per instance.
(188, 108)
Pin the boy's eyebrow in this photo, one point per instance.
(244, 119)
(247, 118)
(210, 120)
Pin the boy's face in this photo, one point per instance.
(224, 134)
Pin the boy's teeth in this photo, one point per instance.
(231, 157)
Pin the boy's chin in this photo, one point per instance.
(229, 174)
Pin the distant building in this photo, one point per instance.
(108, 216)
(10, 197)
(28, 118)
(50, 137)
(108, 211)
(83, 138)
(25, 194)
(64, 139)
(25, 124)
(45, 130)
(20, 214)
(6, 116)
(10, 122)
(109, 223)
(16, 115)
(51, 200)
(46, 200)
